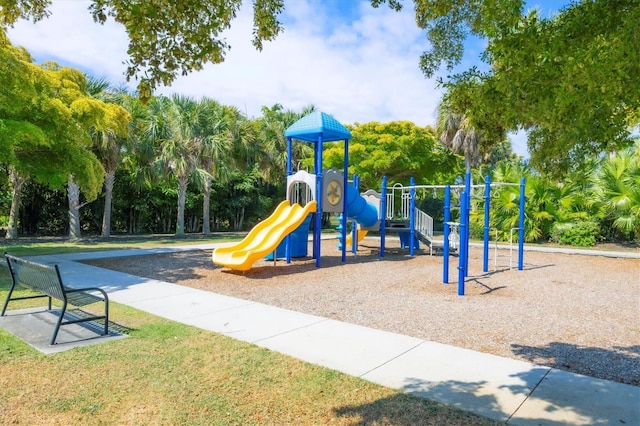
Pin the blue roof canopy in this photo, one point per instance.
(310, 127)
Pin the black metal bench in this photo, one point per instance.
(46, 279)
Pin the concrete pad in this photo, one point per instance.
(345, 347)
(253, 322)
(189, 304)
(568, 398)
(484, 384)
(36, 325)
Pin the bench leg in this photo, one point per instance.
(106, 317)
(6, 302)
(55, 332)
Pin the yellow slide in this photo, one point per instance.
(264, 237)
(361, 234)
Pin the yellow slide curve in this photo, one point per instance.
(264, 237)
(361, 234)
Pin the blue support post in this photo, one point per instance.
(354, 224)
(319, 195)
(383, 214)
(345, 184)
(463, 254)
(412, 216)
(521, 226)
(487, 217)
(465, 219)
(289, 173)
(447, 219)
(318, 224)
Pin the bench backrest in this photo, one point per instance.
(35, 276)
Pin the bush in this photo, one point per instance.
(476, 230)
(581, 234)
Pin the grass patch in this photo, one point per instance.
(171, 373)
(45, 246)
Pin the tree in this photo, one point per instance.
(569, 80)
(617, 190)
(177, 144)
(45, 115)
(398, 150)
(109, 143)
(160, 49)
(271, 127)
(458, 134)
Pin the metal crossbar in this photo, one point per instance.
(46, 279)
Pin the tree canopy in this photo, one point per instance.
(160, 49)
(166, 38)
(45, 115)
(569, 79)
(398, 150)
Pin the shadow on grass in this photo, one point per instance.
(409, 410)
(443, 403)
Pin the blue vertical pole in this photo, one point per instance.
(318, 196)
(521, 226)
(354, 224)
(447, 219)
(289, 173)
(467, 200)
(462, 273)
(487, 217)
(412, 216)
(318, 225)
(383, 214)
(345, 182)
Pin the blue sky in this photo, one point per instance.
(350, 60)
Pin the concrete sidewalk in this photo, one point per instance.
(500, 388)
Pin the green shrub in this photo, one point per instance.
(581, 234)
(476, 230)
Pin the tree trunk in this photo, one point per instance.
(17, 183)
(73, 194)
(109, 181)
(182, 197)
(206, 227)
(239, 220)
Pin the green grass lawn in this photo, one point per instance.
(171, 373)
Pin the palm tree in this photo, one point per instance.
(271, 128)
(458, 134)
(214, 151)
(617, 189)
(108, 145)
(178, 152)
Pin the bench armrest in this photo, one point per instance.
(78, 290)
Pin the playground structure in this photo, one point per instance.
(463, 225)
(285, 232)
(402, 215)
(317, 128)
(322, 191)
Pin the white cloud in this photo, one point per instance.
(361, 70)
(69, 36)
